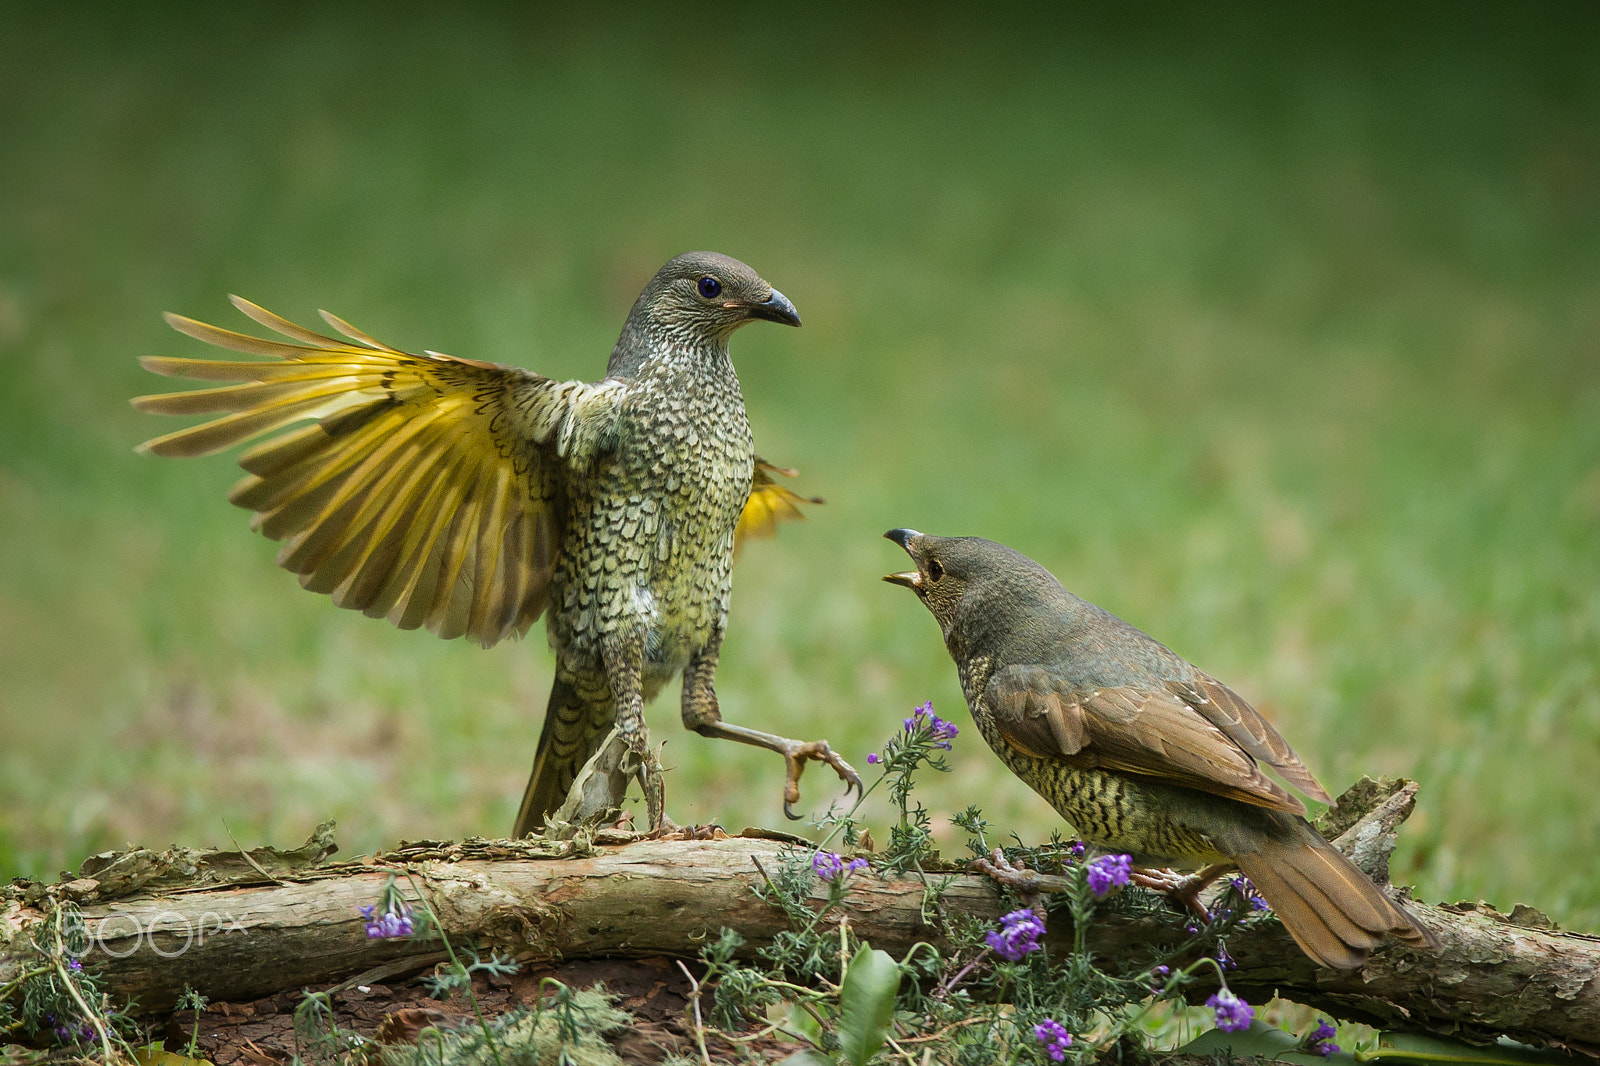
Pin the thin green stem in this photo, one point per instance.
(459, 968)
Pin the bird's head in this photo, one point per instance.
(706, 296)
(973, 587)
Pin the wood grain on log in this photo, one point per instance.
(237, 941)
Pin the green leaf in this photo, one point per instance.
(798, 1022)
(866, 1001)
(1263, 1040)
(1415, 1047)
(156, 1055)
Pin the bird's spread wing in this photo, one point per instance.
(1132, 730)
(769, 504)
(425, 488)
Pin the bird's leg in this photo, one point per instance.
(1184, 888)
(624, 661)
(700, 714)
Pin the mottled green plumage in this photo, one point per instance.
(470, 498)
(1142, 752)
(640, 591)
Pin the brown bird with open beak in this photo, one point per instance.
(1140, 751)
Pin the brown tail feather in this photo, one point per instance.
(575, 724)
(1333, 910)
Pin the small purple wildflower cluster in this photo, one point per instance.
(69, 1034)
(1233, 1013)
(1017, 936)
(830, 864)
(1245, 888)
(938, 731)
(1158, 978)
(390, 925)
(1055, 1038)
(1320, 1041)
(1224, 959)
(1107, 872)
(941, 731)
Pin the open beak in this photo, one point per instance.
(776, 309)
(911, 579)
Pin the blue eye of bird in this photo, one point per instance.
(710, 287)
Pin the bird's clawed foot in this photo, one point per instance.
(1185, 889)
(668, 830)
(597, 794)
(795, 755)
(1022, 880)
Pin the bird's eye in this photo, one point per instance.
(935, 571)
(710, 287)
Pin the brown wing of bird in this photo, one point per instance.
(1245, 727)
(1131, 730)
(1332, 909)
(424, 488)
(770, 503)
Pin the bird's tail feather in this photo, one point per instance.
(575, 724)
(1333, 910)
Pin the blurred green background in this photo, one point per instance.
(1275, 332)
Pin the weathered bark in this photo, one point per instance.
(272, 925)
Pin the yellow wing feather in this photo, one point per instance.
(426, 489)
(769, 504)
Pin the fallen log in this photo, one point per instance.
(236, 926)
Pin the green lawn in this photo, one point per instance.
(1276, 334)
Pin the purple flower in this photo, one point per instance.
(942, 732)
(1055, 1038)
(1245, 888)
(1077, 849)
(1158, 977)
(873, 759)
(1233, 1013)
(1017, 936)
(74, 964)
(390, 925)
(829, 865)
(1320, 1041)
(1107, 872)
(1224, 959)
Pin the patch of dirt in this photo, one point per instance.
(653, 990)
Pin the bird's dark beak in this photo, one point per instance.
(902, 537)
(910, 579)
(776, 309)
